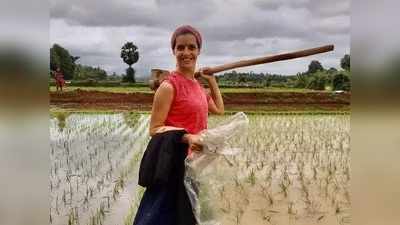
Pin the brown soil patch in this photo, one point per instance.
(268, 101)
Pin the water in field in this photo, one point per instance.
(93, 159)
(293, 170)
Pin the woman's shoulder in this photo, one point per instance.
(173, 76)
(174, 79)
(165, 85)
(168, 84)
(170, 79)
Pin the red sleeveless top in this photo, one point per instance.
(189, 108)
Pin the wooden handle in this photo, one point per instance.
(269, 59)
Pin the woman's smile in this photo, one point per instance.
(187, 60)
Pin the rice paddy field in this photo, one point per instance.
(293, 169)
(93, 160)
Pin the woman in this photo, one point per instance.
(180, 103)
(59, 77)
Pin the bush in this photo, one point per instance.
(278, 85)
(341, 81)
(301, 80)
(318, 81)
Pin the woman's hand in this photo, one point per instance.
(206, 73)
(217, 104)
(194, 141)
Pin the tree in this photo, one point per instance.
(241, 78)
(332, 70)
(130, 75)
(314, 66)
(130, 55)
(341, 81)
(345, 62)
(301, 80)
(318, 81)
(84, 72)
(60, 57)
(114, 76)
(74, 58)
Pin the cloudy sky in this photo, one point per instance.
(232, 30)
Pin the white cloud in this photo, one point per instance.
(232, 30)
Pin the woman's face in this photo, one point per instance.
(186, 51)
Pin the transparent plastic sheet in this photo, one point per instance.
(201, 182)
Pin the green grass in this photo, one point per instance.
(262, 90)
(148, 90)
(108, 89)
(285, 113)
(54, 112)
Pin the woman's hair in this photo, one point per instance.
(186, 29)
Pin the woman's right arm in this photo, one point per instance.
(161, 105)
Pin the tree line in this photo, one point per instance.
(61, 58)
(316, 78)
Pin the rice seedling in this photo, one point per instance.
(295, 162)
(251, 178)
(299, 165)
(91, 163)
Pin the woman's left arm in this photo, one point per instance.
(216, 105)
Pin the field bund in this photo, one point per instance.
(257, 101)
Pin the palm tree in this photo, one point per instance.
(130, 55)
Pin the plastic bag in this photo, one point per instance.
(201, 180)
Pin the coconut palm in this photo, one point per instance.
(130, 55)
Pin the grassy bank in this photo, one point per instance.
(55, 112)
(148, 90)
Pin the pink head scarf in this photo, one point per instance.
(186, 29)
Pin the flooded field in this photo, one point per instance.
(292, 170)
(93, 159)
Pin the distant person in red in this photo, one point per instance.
(59, 76)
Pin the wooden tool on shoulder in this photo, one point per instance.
(158, 75)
